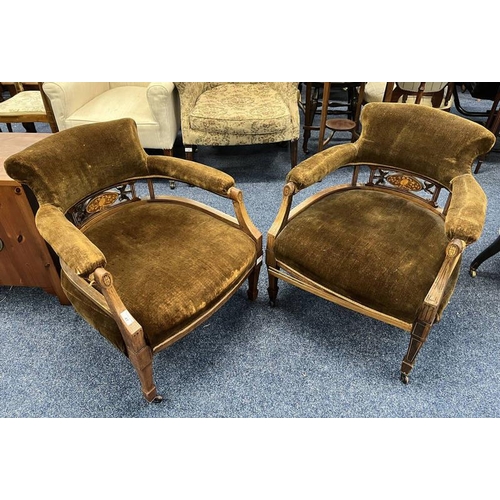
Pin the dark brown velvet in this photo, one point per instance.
(163, 268)
(67, 166)
(467, 211)
(421, 139)
(191, 172)
(375, 248)
(69, 243)
(424, 140)
(318, 166)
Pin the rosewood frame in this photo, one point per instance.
(99, 288)
(427, 314)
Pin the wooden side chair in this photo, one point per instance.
(389, 243)
(433, 94)
(143, 270)
(27, 107)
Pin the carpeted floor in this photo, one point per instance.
(304, 358)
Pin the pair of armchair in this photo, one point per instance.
(145, 271)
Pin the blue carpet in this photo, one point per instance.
(304, 358)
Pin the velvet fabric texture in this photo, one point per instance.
(169, 262)
(420, 139)
(375, 248)
(382, 250)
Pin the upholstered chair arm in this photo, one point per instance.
(289, 92)
(163, 100)
(69, 243)
(67, 97)
(191, 172)
(315, 168)
(467, 210)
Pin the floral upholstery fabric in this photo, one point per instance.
(240, 109)
(222, 114)
(28, 102)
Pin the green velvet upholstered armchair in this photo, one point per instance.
(389, 243)
(143, 269)
(236, 113)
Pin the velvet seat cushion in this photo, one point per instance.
(375, 248)
(245, 109)
(170, 263)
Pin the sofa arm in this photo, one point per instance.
(318, 166)
(67, 97)
(163, 100)
(467, 210)
(69, 243)
(191, 172)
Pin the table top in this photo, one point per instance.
(13, 142)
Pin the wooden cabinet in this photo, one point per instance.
(25, 259)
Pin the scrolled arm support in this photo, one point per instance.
(453, 253)
(138, 351)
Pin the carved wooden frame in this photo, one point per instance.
(98, 286)
(377, 181)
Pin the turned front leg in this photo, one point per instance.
(419, 334)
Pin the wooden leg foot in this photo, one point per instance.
(253, 281)
(272, 290)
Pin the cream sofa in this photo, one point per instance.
(153, 106)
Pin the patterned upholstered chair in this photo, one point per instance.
(153, 106)
(381, 245)
(143, 270)
(231, 114)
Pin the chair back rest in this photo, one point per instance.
(72, 164)
(421, 139)
(114, 85)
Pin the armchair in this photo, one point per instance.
(381, 245)
(230, 114)
(153, 106)
(143, 270)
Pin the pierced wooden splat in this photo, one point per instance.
(422, 187)
(101, 201)
(406, 182)
(92, 205)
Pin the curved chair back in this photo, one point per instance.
(64, 168)
(393, 134)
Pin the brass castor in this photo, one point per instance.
(472, 272)
(157, 399)
(404, 378)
